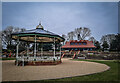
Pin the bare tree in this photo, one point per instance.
(71, 35)
(6, 35)
(77, 32)
(108, 38)
(82, 33)
(92, 39)
(65, 37)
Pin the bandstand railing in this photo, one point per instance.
(43, 58)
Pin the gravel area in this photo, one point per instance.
(68, 68)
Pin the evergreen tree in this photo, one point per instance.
(115, 44)
(97, 44)
(105, 45)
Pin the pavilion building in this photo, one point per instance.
(41, 37)
(79, 45)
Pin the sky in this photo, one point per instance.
(63, 17)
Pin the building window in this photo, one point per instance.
(91, 49)
(75, 43)
(76, 49)
(84, 43)
(80, 43)
(71, 43)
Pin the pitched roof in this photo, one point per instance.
(89, 44)
(41, 34)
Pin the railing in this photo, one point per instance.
(43, 58)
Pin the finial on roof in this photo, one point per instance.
(40, 23)
(39, 26)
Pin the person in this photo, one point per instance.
(13, 54)
(10, 54)
(6, 55)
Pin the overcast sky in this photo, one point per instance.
(63, 17)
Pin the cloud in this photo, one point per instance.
(62, 18)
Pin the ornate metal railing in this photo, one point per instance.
(43, 58)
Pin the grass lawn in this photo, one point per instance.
(108, 76)
(7, 58)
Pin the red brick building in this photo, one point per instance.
(79, 45)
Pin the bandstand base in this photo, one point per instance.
(37, 63)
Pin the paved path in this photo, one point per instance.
(68, 68)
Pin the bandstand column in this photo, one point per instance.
(42, 49)
(60, 49)
(27, 50)
(54, 46)
(35, 48)
(17, 47)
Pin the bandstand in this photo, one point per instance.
(37, 36)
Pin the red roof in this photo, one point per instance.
(89, 44)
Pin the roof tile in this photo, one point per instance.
(88, 45)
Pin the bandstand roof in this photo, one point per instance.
(41, 35)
